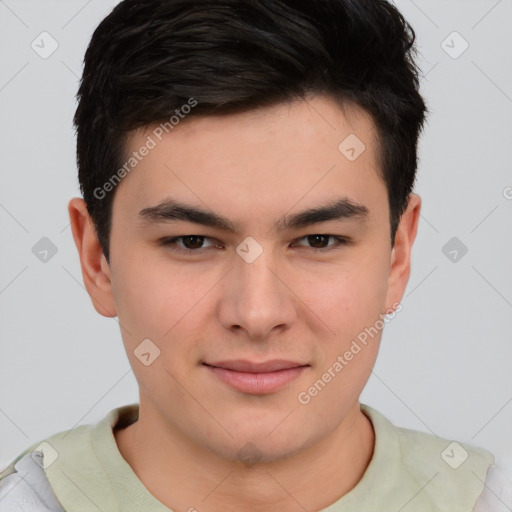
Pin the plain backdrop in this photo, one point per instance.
(445, 360)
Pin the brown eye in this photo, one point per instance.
(321, 242)
(188, 244)
(318, 241)
(192, 241)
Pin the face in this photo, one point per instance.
(254, 312)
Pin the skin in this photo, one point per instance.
(290, 303)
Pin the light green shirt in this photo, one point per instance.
(410, 471)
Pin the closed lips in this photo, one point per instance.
(254, 367)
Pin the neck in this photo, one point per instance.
(175, 472)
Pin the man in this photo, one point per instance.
(247, 170)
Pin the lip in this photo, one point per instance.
(256, 378)
(242, 365)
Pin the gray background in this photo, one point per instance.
(445, 361)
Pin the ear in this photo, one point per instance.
(400, 267)
(95, 269)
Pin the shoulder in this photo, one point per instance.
(24, 483)
(24, 486)
(497, 495)
(442, 452)
(450, 474)
(453, 470)
(42, 477)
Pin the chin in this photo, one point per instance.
(255, 447)
(252, 453)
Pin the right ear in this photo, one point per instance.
(95, 269)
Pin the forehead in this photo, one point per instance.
(266, 159)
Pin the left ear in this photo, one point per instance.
(400, 268)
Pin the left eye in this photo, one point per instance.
(321, 239)
(194, 243)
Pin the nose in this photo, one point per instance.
(257, 299)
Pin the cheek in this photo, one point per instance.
(157, 304)
(353, 298)
(344, 360)
(151, 292)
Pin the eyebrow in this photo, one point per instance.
(171, 210)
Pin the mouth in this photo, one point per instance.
(256, 378)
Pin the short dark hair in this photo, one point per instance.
(148, 58)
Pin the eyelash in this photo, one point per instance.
(171, 243)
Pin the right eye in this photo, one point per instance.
(187, 244)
